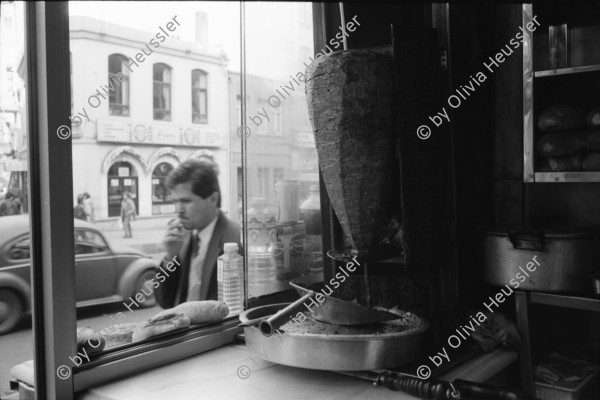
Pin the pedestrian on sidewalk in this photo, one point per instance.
(78, 211)
(88, 207)
(12, 205)
(128, 213)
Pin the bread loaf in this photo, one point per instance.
(559, 144)
(564, 164)
(160, 324)
(561, 118)
(593, 118)
(116, 335)
(200, 312)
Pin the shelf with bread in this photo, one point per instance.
(561, 95)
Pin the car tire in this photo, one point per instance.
(145, 278)
(11, 310)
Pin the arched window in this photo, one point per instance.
(118, 85)
(162, 91)
(161, 195)
(122, 177)
(199, 96)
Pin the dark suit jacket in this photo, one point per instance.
(173, 290)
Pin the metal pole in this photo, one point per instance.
(243, 134)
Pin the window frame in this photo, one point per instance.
(52, 224)
(199, 118)
(46, 52)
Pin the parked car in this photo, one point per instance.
(104, 272)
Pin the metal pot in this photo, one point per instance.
(333, 352)
(566, 258)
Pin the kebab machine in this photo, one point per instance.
(357, 322)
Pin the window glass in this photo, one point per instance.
(118, 84)
(123, 159)
(199, 96)
(284, 238)
(141, 126)
(162, 201)
(162, 92)
(89, 242)
(16, 333)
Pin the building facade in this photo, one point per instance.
(142, 103)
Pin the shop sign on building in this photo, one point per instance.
(172, 135)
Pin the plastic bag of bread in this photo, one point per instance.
(593, 118)
(561, 118)
(591, 162)
(159, 324)
(593, 141)
(116, 335)
(90, 341)
(563, 164)
(201, 312)
(558, 144)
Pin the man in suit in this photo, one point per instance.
(195, 239)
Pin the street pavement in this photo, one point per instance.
(147, 240)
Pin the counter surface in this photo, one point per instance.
(232, 372)
(214, 375)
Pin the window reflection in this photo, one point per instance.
(283, 243)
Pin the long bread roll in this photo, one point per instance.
(200, 312)
(160, 324)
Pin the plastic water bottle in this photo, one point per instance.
(310, 212)
(230, 278)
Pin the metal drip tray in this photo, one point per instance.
(315, 345)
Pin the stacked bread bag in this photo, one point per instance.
(570, 141)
